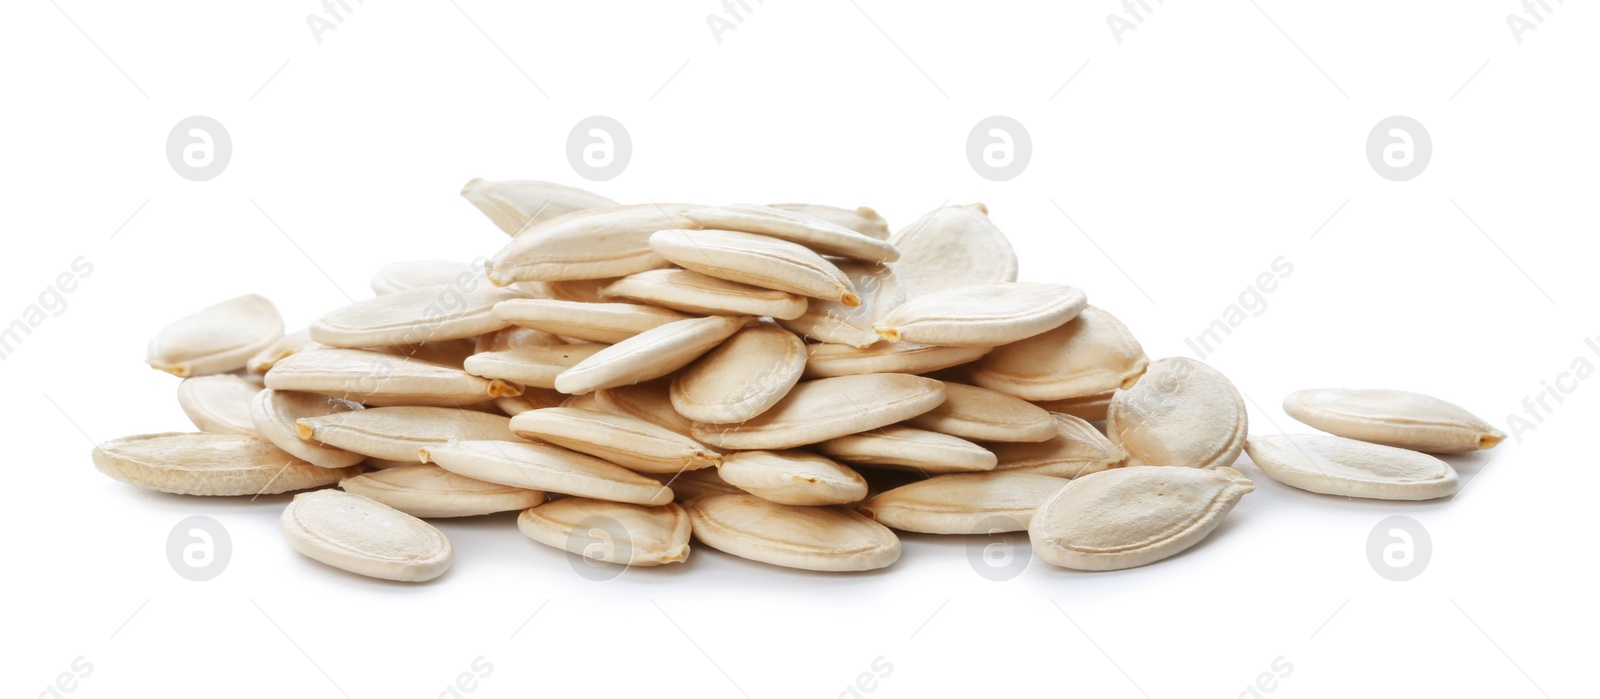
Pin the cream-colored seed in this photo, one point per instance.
(816, 411)
(953, 246)
(428, 314)
(1077, 449)
(197, 463)
(1091, 354)
(514, 337)
(879, 291)
(758, 260)
(297, 341)
(909, 449)
(381, 378)
(651, 354)
(624, 441)
(365, 537)
(1181, 413)
(609, 323)
(862, 219)
(827, 360)
(809, 538)
(219, 403)
(531, 366)
(964, 503)
(979, 414)
(744, 377)
(216, 339)
(396, 433)
(693, 292)
(592, 244)
(1351, 468)
(275, 413)
(546, 467)
(983, 315)
(429, 492)
(516, 205)
(816, 234)
(1393, 418)
(793, 477)
(611, 532)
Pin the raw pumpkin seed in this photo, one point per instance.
(546, 467)
(953, 246)
(427, 491)
(592, 244)
(514, 337)
(1340, 466)
(625, 441)
(979, 414)
(428, 314)
(651, 354)
(297, 341)
(649, 401)
(759, 260)
(816, 234)
(396, 433)
(621, 533)
(516, 205)
(365, 537)
(1092, 408)
(861, 219)
(593, 322)
(1077, 449)
(198, 463)
(793, 536)
(830, 321)
(1393, 418)
(1182, 413)
(380, 378)
(816, 411)
(742, 378)
(694, 292)
(216, 339)
(531, 366)
(984, 315)
(274, 414)
(793, 477)
(909, 449)
(827, 360)
(219, 403)
(964, 503)
(1091, 354)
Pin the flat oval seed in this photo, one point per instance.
(427, 491)
(1090, 354)
(985, 315)
(694, 292)
(297, 341)
(274, 414)
(613, 532)
(594, 322)
(419, 274)
(979, 414)
(1351, 468)
(1129, 517)
(964, 503)
(1077, 449)
(380, 378)
(649, 401)
(516, 205)
(216, 339)
(830, 321)
(531, 366)
(546, 467)
(1092, 408)
(953, 246)
(396, 433)
(744, 377)
(428, 314)
(196, 463)
(219, 403)
(862, 219)
(819, 235)
(625, 441)
(365, 537)
(754, 259)
(651, 354)
(692, 484)
(1182, 413)
(793, 477)
(592, 244)
(514, 337)
(808, 538)
(826, 360)
(910, 449)
(816, 411)
(1393, 418)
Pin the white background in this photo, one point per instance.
(1211, 140)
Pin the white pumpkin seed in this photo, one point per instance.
(1092, 408)
(826, 360)
(953, 246)
(694, 292)
(379, 378)
(793, 477)
(793, 536)
(692, 484)
(625, 441)
(909, 449)
(198, 463)
(964, 503)
(427, 491)
(1128, 517)
(979, 414)
(816, 234)
(1393, 418)
(649, 401)
(612, 532)
(1091, 354)
(830, 321)
(216, 339)
(421, 274)
(396, 433)
(514, 337)
(428, 314)
(984, 315)
(1182, 413)
(742, 378)
(546, 467)
(651, 354)
(219, 403)
(531, 366)
(297, 341)
(365, 537)
(816, 411)
(1340, 466)
(759, 260)
(593, 322)
(516, 205)
(1077, 449)
(274, 414)
(861, 219)
(592, 244)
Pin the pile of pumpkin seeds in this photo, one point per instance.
(787, 383)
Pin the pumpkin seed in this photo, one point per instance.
(514, 337)
(816, 411)
(365, 537)
(1128, 517)
(950, 247)
(199, 463)
(427, 491)
(379, 378)
(1182, 413)
(546, 467)
(297, 341)
(759, 260)
(621, 533)
(827, 360)
(964, 503)
(531, 366)
(649, 401)
(592, 322)
(818, 235)
(909, 449)
(217, 339)
(1077, 449)
(625, 441)
(793, 477)
(585, 290)
(592, 244)
(984, 315)
(692, 484)
(1092, 408)
(694, 292)
(428, 314)
(742, 378)
(979, 414)
(274, 414)
(651, 354)
(1340, 466)
(531, 399)
(516, 205)
(830, 321)
(396, 433)
(793, 536)
(862, 219)
(420, 274)
(219, 403)
(1091, 354)
(1393, 418)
